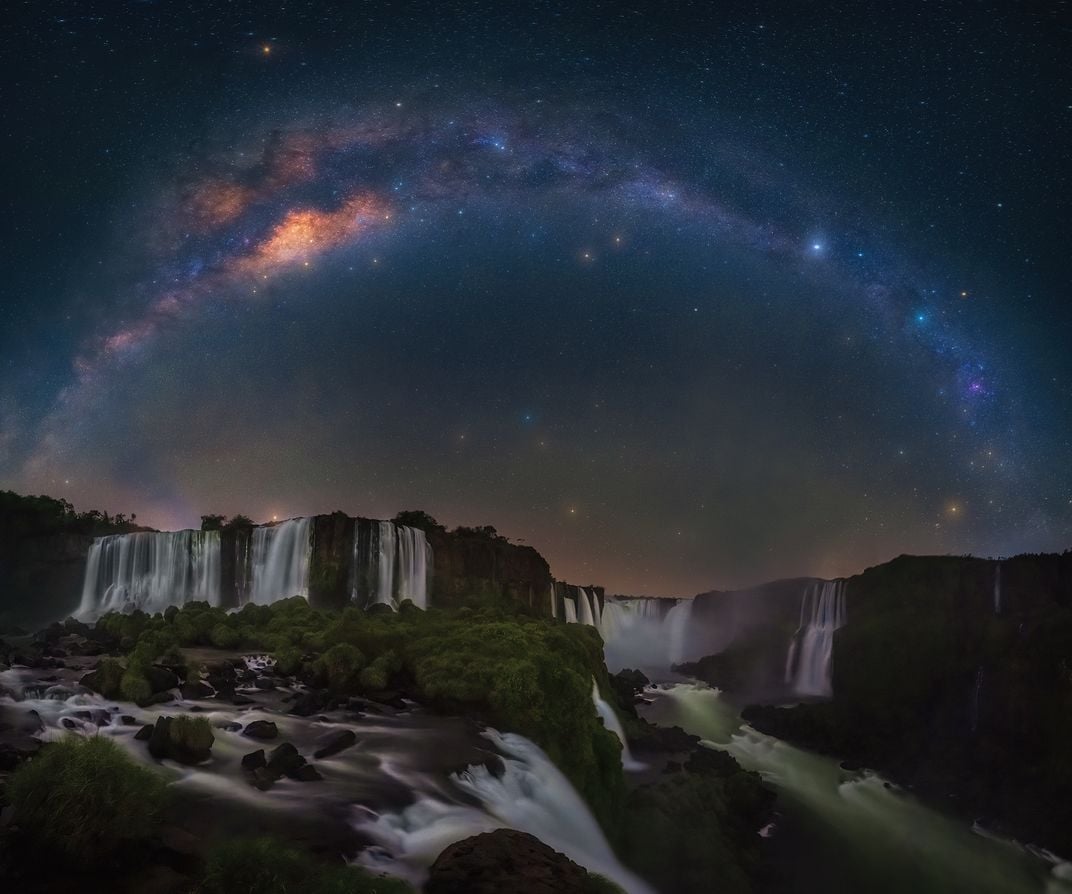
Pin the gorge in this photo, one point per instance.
(406, 640)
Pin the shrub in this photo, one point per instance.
(288, 661)
(340, 666)
(223, 637)
(133, 687)
(106, 679)
(377, 676)
(83, 799)
(264, 866)
(194, 734)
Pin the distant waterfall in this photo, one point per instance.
(614, 725)
(392, 563)
(279, 561)
(554, 601)
(811, 651)
(637, 632)
(151, 570)
(997, 589)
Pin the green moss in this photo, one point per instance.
(288, 661)
(134, 687)
(194, 734)
(106, 679)
(81, 800)
(265, 866)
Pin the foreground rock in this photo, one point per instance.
(181, 739)
(284, 760)
(505, 860)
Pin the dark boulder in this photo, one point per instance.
(160, 678)
(309, 703)
(261, 729)
(506, 860)
(145, 733)
(335, 742)
(183, 740)
(196, 690)
(254, 760)
(285, 759)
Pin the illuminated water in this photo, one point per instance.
(861, 834)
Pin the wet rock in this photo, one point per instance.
(335, 742)
(264, 779)
(254, 760)
(505, 860)
(196, 690)
(264, 683)
(285, 759)
(160, 678)
(306, 773)
(145, 733)
(261, 729)
(185, 743)
(158, 698)
(240, 700)
(127, 720)
(68, 723)
(309, 703)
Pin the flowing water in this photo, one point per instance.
(412, 784)
(391, 563)
(811, 652)
(862, 834)
(612, 723)
(280, 561)
(150, 570)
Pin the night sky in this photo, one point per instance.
(686, 296)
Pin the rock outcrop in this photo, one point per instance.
(505, 860)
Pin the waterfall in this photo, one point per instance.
(584, 608)
(150, 570)
(997, 589)
(531, 795)
(811, 651)
(392, 563)
(241, 566)
(570, 609)
(279, 563)
(554, 601)
(612, 723)
(677, 627)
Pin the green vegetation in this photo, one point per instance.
(694, 826)
(266, 866)
(516, 673)
(82, 800)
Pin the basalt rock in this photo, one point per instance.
(335, 742)
(506, 860)
(261, 729)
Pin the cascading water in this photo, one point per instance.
(585, 615)
(554, 601)
(530, 795)
(243, 536)
(614, 725)
(279, 561)
(392, 563)
(569, 607)
(150, 570)
(677, 628)
(811, 651)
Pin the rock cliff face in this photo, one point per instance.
(473, 565)
(954, 675)
(41, 575)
